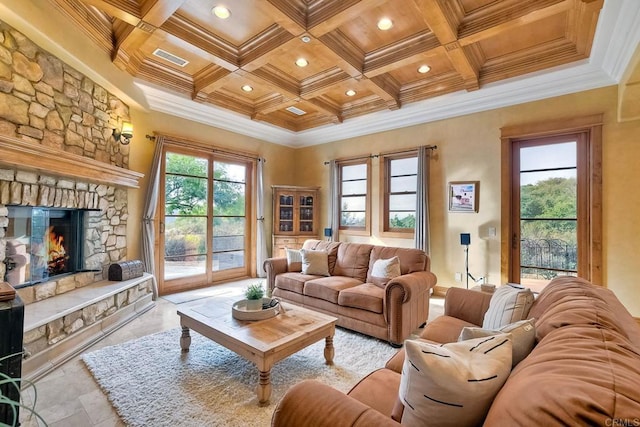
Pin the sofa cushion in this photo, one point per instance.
(331, 248)
(384, 270)
(453, 384)
(315, 262)
(366, 296)
(379, 390)
(294, 260)
(353, 260)
(523, 334)
(411, 259)
(293, 282)
(328, 288)
(444, 329)
(508, 304)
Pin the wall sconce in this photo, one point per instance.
(124, 135)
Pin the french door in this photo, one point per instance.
(550, 210)
(552, 201)
(204, 232)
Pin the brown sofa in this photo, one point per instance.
(361, 302)
(584, 369)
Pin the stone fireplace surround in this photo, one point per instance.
(65, 315)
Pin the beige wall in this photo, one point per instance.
(469, 149)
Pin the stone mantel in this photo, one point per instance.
(52, 161)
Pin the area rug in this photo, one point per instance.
(151, 383)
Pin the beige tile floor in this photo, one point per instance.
(69, 396)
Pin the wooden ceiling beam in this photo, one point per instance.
(211, 77)
(262, 44)
(407, 51)
(473, 30)
(444, 25)
(386, 88)
(318, 85)
(272, 78)
(122, 9)
(350, 57)
(225, 54)
(286, 15)
(273, 103)
(129, 37)
(321, 25)
(326, 108)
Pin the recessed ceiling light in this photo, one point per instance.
(221, 12)
(424, 69)
(305, 39)
(301, 62)
(350, 92)
(384, 24)
(247, 88)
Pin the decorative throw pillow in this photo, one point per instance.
(315, 262)
(453, 384)
(508, 304)
(523, 335)
(294, 260)
(384, 270)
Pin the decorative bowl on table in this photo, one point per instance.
(270, 307)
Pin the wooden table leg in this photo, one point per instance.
(264, 388)
(185, 339)
(329, 350)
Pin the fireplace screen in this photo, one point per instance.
(43, 243)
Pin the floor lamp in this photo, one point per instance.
(465, 240)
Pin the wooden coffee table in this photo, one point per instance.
(263, 342)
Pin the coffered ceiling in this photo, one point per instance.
(246, 64)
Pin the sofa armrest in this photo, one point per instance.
(311, 403)
(410, 284)
(466, 304)
(406, 304)
(273, 267)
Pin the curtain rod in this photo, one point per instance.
(369, 156)
(428, 147)
(203, 146)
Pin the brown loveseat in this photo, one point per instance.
(361, 302)
(584, 369)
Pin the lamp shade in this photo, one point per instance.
(327, 232)
(127, 130)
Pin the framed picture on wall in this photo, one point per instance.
(463, 196)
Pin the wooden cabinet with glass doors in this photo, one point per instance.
(295, 217)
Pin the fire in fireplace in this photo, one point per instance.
(58, 258)
(43, 243)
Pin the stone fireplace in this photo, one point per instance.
(58, 155)
(104, 237)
